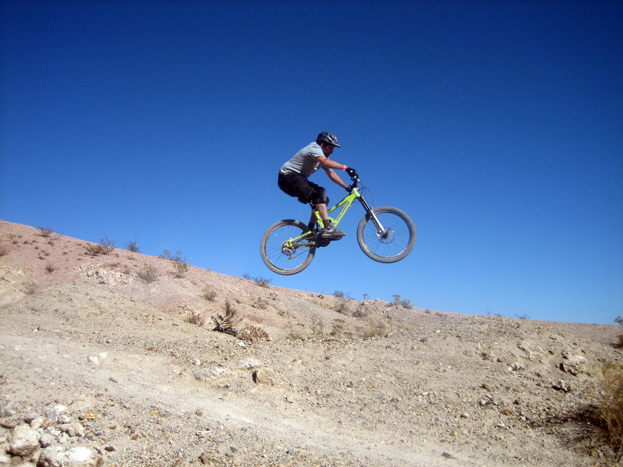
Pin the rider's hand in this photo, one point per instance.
(348, 188)
(351, 172)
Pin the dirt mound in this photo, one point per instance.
(111, 359)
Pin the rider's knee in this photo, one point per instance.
(320, 196)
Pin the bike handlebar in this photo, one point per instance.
(355, 180)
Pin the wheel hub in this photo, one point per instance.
(387, 236)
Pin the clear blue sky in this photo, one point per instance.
(497, 126)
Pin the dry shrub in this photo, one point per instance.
(181, 263)
(45, 231)
(131, 246)
(375, 329)
(148, 273)
(209, 294)
(104, 247)
(611, 405)
(181, 269)
(29, 288)
(227, 323)
(197, 318)
(259, 304)
(338, 328)
(261, 281)
(252, 333)
(342, 306)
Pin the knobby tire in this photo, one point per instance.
(395, 244)
(283, 262)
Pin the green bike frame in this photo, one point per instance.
(345, 204)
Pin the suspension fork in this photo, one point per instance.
(375, 220)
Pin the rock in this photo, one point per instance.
(23, 441)
(50, 457)
(38, 423)
(205, 375)
(264, 377)
(30, 417)
(562, 386)
(79, 456)
(46, 440)
(72, 429)
(249, 364)
(574, 364)
(97, 360)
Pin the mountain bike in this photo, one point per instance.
(384, 234)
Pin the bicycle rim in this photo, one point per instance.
(391, 245)
(279, 256)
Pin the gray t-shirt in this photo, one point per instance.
(304, 162)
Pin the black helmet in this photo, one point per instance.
(328, 138)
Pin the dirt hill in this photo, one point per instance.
(109, 357)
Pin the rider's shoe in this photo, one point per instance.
(331, 231)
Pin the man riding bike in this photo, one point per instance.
(294, 174)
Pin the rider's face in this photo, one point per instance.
(327, 149)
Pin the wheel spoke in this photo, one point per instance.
(391, 244)
(281, 254)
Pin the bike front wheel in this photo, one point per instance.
(393, 241)
(285, 250)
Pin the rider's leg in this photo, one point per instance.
(324, 215)
(329, 229)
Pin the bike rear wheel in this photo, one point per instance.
(281, 254)
(392, 244)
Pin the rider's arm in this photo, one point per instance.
(335, 177)
(327, 163)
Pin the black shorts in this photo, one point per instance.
(299, 187)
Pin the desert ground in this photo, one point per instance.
(109, 357)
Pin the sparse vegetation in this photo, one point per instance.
(375, 329)
(342, 305)
(317, 327)
(148, 274)
(524, 316)
(611, 405)
(181, 263)
(259, 303)
(403, 303)
(340, 294)
(252, 333)
(361, 311)
(105, 246)
(181, 269)
(261, 281)
(29, 288)
(131, 246)
(3, 250)
(209, 294)
(197, 318)
(227, 323)
(45, 231)
(50, 268)
(338, 327)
